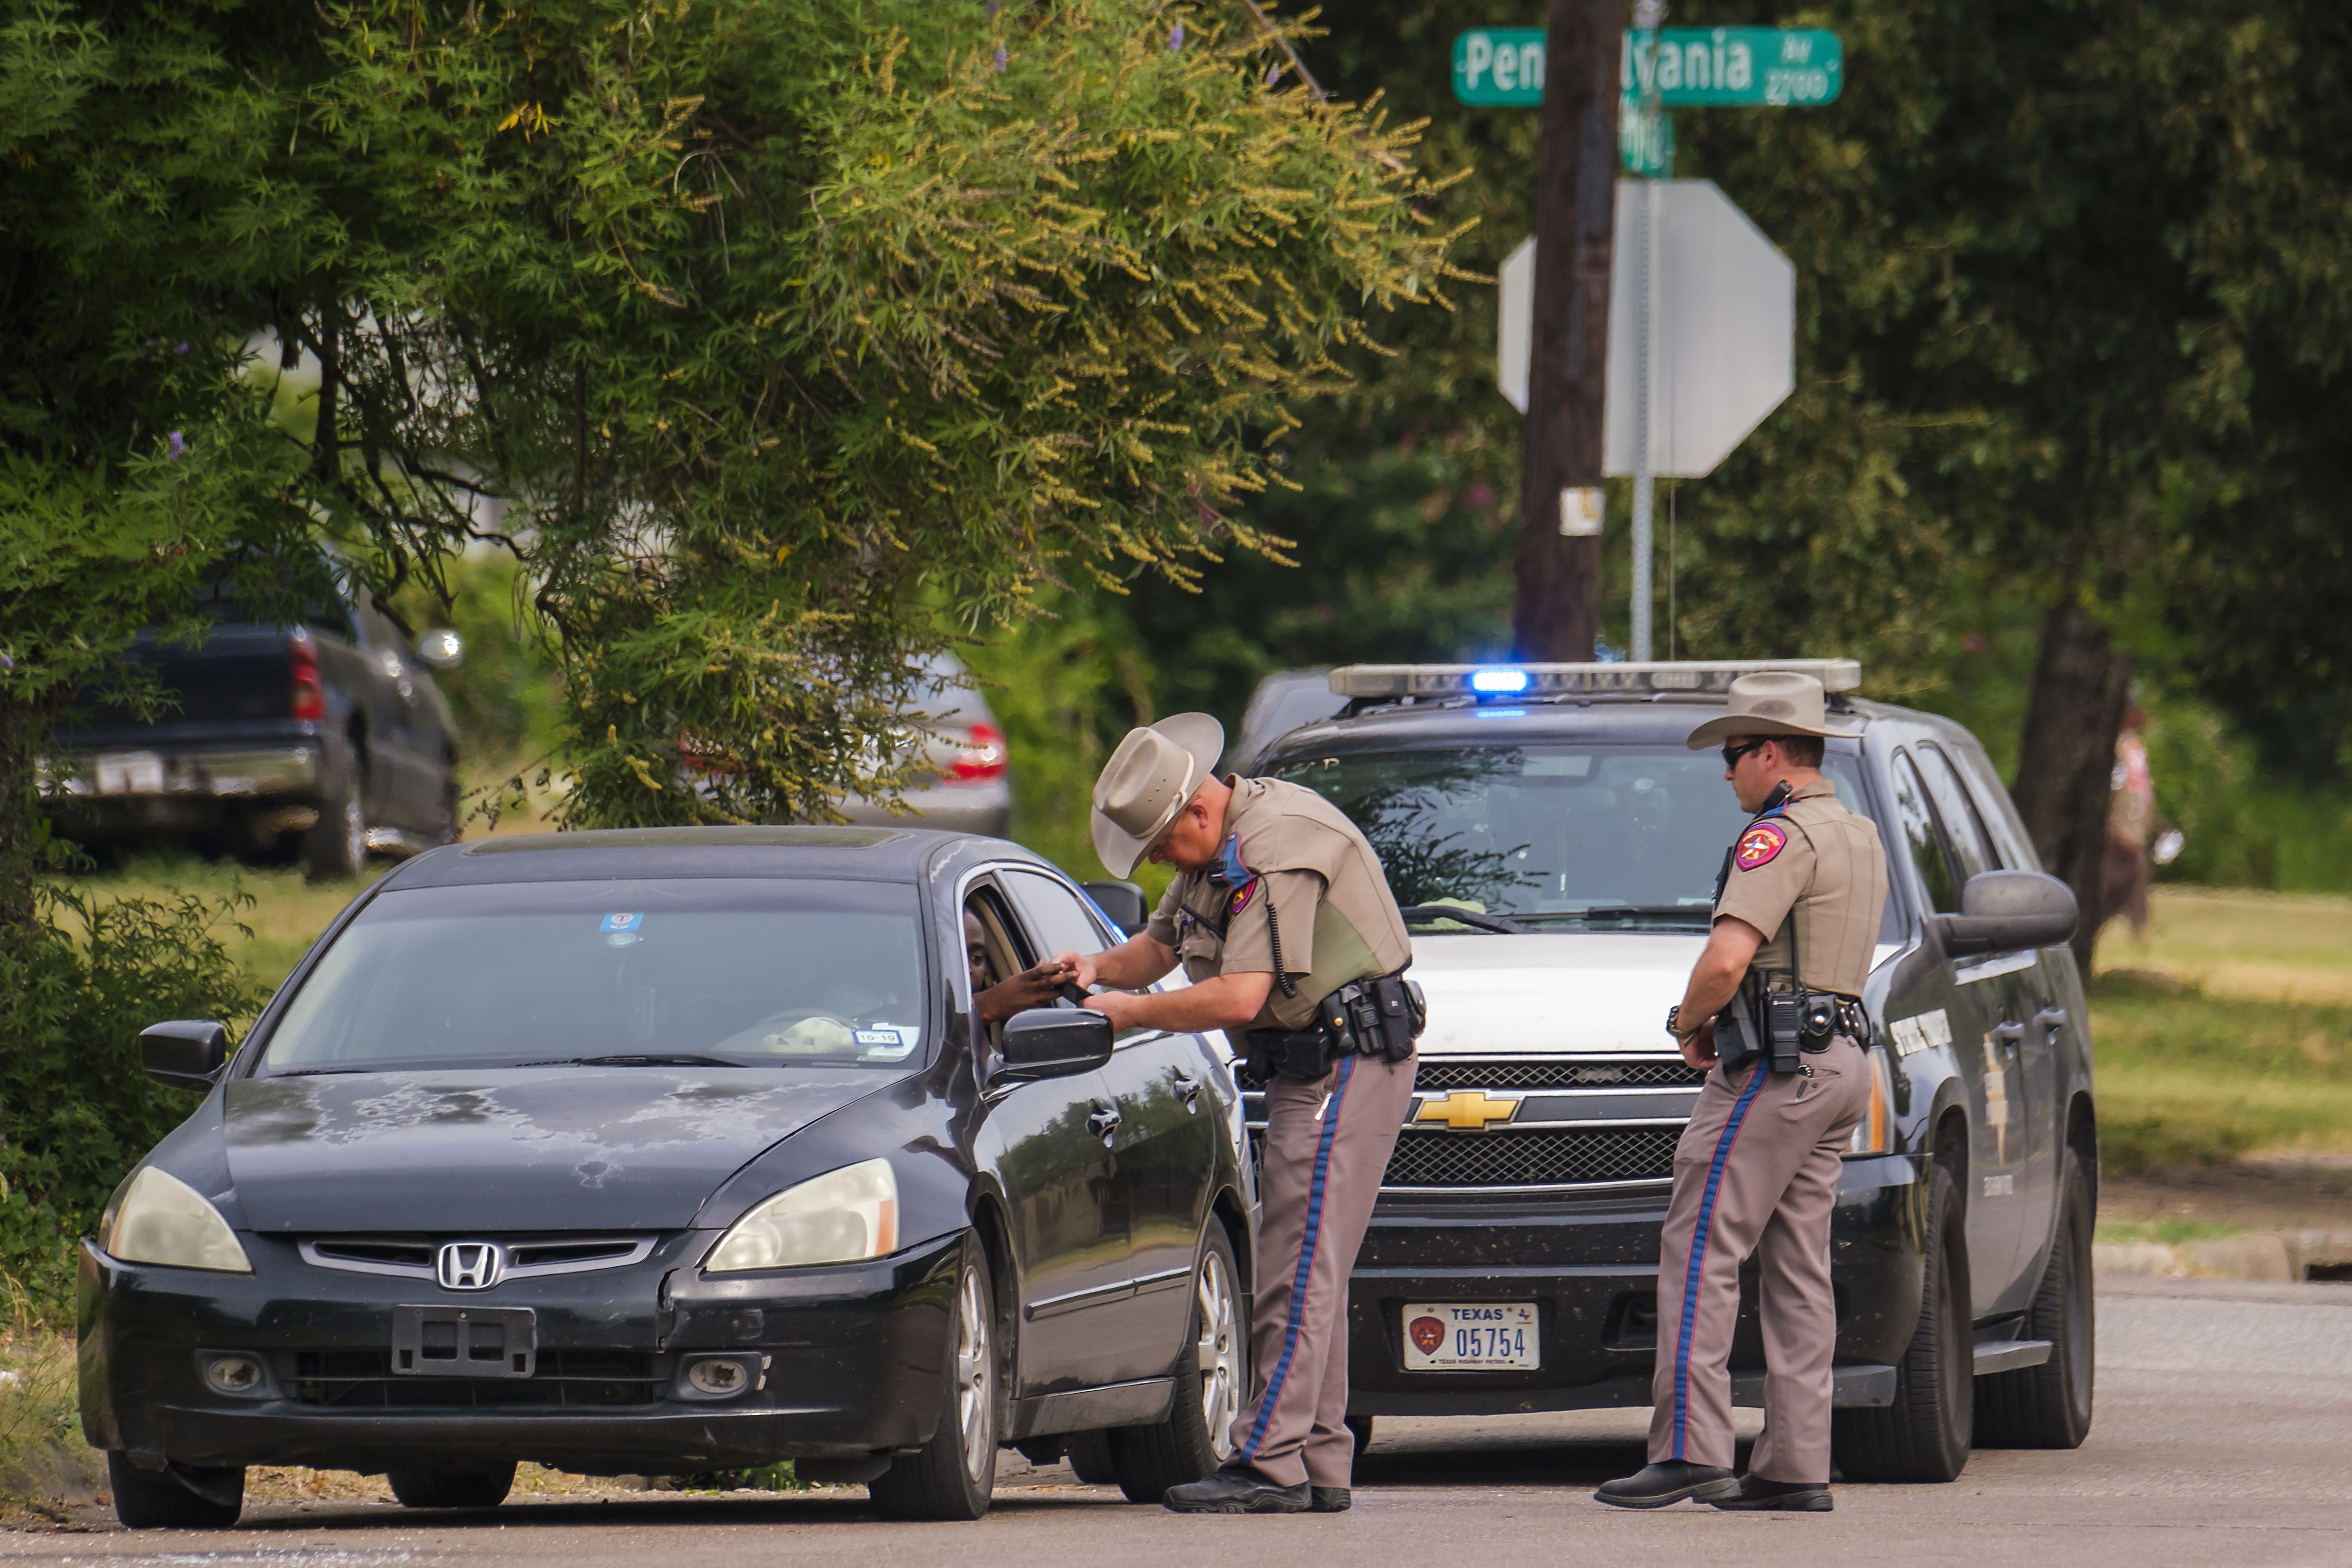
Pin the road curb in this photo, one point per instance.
(2267, 1255)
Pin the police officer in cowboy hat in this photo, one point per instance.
(1773, 1006)
(1283, 919)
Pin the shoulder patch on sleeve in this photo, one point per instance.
(1758, 845)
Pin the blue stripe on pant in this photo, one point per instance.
(1692, 1269)
(1248, 1450)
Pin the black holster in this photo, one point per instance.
(1784, 1027)
(1374, 1017)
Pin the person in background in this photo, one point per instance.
(2132, 823)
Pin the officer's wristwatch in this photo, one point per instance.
(1673, 1014)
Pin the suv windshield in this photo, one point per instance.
(734, 972)
(1609, 837)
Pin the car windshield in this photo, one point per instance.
(709, 972)
(1582, 838)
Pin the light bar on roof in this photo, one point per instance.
(1554, 680)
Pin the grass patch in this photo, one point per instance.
(2185, 1078)
(2169, 1232)
(42, 1456)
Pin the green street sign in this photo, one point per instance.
(1688, 67)
(1499, 67)
(1733, 67)
(1645, 139)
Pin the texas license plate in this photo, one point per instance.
(1471, 1336)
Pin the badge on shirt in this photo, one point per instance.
(1758, 845)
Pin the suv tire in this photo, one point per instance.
(953, 1475)
(1925, 1435)
(1212, 1382)
(153, 1500)
(484, 1487)
(334, 848)
(2049, 1406)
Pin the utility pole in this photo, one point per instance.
(1557, 611)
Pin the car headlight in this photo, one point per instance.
(1874, 1133)
(842, 1217)
(161, 1219)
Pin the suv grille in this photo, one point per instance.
(1550, 1157)
(363, 1380)
(1555, 1072)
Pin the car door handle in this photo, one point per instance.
(2009, 1034)
(1103, 1122)
(1188, 1090)
(2049, 1020)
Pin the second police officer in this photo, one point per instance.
(1773, 1006)
(1283, 919)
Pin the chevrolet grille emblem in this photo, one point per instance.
(1468, 1110)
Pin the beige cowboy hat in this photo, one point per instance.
(1769, 702)
(1147, 782)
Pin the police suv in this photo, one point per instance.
(1556, 847)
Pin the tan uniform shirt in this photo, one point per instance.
(1815, 871)
(1317, 873)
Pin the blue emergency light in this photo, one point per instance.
(1499, 680)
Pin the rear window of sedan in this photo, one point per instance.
(716, 972)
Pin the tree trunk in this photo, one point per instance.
(1558, 610)
(2066, 760)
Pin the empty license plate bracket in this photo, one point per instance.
(465, 1342)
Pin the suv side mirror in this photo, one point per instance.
(2009, 912)
(1123, 902)
(1055, 1042)
(184, 1054)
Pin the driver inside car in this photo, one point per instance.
(1039, 985)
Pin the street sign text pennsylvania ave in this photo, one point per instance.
(1687, 66)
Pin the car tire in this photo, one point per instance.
(485, 1487)
(1361, 1426)
(154, 1499)
(2049, 1406)
(1925, 1434)
(1090, 1458)
(952, 1475)
(447, 825)
(1211, 1381)
(335, 846)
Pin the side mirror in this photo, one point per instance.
(185, 1054)
(440, 649)
(1055, 1042)
(1123, 902)
(2009, 912)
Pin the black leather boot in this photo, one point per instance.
(1790, 1497)
(1331, 1500)
(1667, 1481)
(1237, 1488)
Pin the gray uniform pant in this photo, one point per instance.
(1324, 1160)
(1756, 1172)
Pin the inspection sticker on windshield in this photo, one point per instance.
(634, 919)
(887, 1042)
(1459, 1336)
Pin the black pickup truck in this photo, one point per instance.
(322, 741)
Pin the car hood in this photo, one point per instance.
(1601, 992)
(566, 1149)
(1604, 992)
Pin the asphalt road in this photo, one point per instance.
(2225, 1420)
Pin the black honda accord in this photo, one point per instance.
(676, 1151)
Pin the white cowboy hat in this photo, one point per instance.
(1147, 782)
(1769, 702)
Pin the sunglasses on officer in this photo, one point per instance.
(1738, 748)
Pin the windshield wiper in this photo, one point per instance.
(663, 1060)
(316, 1072)
(1628, 913)
(1424, 914)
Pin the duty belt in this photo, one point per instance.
(1378, 1017)
(1783, 1025)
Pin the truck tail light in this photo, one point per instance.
(982, 755)
(310, 692)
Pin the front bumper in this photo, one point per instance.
(854, 1362)
(1590, 1265)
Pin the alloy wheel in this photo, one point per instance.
(1219, 1353)
(975, 1381)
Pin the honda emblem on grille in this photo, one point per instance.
(470, 1265)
